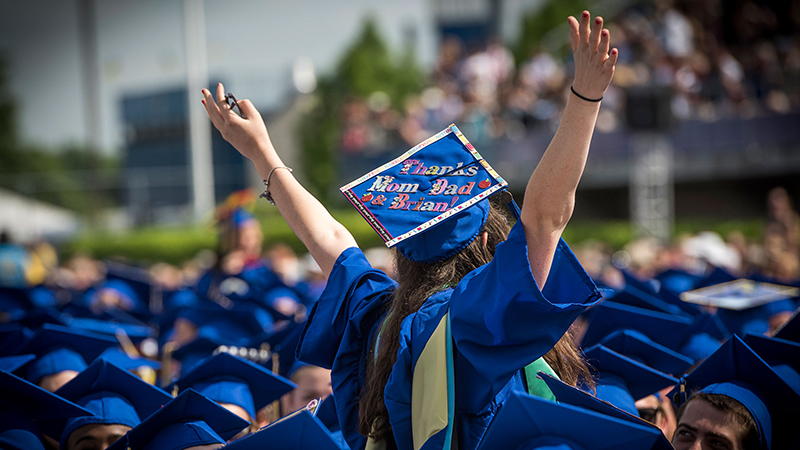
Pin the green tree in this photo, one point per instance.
(366, 67)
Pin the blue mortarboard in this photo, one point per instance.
(188, 420)
(13, 363)
(22, 406)
(136, 281)
(118, 357)
(608, 317)
(674, 299)
(639, 347)
(647, 285)
(135, 333)
(240, 216)
(526, 422)
(633, 296)
(15, 300)
(238, 325)
(199, 349)
(112, 394)
(430, 200)
(35, 318)
(717, 276)
(283, 343)
(790, 330)
(12, 337)
(678, 281)
(565, 393)
(301, 430)
(225, 378)
(755, 385)
(783, 356)
(623, 380)
(60, 348)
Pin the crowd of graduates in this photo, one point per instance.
(83, 366)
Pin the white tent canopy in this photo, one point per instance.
(27, 219)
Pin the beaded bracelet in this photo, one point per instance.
(266, 193)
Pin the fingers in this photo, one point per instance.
(574, 32)
(221, 94)
(248, 110)
(585, 28)
(605, 39)
(612, 58)
(211, 108)
(594, 38)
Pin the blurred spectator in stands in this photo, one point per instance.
(783, 221)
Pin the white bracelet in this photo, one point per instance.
(266, 193)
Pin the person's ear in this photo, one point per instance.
(485, 237)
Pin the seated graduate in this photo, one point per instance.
(117, 399)
(737, 402)
(24, 405)
(189, 421)
(509, 294)
(238, 385)
(61, 353)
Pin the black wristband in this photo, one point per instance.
(593, 100)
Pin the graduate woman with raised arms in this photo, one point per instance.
(427, 362)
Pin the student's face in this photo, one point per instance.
(53, 382)
(704, 427)
(312, 383)
(95, 436)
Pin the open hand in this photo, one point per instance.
(594, 65)
(248, 135)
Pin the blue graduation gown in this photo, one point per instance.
(500, 322)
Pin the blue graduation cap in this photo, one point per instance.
(225, 378)
(674, 299)
(639, 347)
(526, 422)
(13, 363)
(567, 394)
(135, 281)
(623, 380)
(783, 356)
(790, 330)
(283, 343)
(237, 325)
(12, 337)
(429, 201)
(188, 420)
(736, 371)
(118, 357)
(35, 318)
(112, 394)
(717, 276)
(608, 317)
(204, 346)
(60, 348)
(649, 286)
(297, 431)
(22, 406)
(633, 296)
(676, 280)
(136, 333)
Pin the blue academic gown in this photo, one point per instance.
(500, 322)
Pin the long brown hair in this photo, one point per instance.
(417, 282)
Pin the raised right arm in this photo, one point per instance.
(324, 237)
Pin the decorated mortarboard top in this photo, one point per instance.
(566, 394)
(526, 422)
(63, 348)
(608, 317)
(739, 294)
(299, 430)
(429, 200)
(639, 347)
(112, 394)
(623, 380)
(737, 371)
(187, 420)
(782, 356)
(225, 378)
